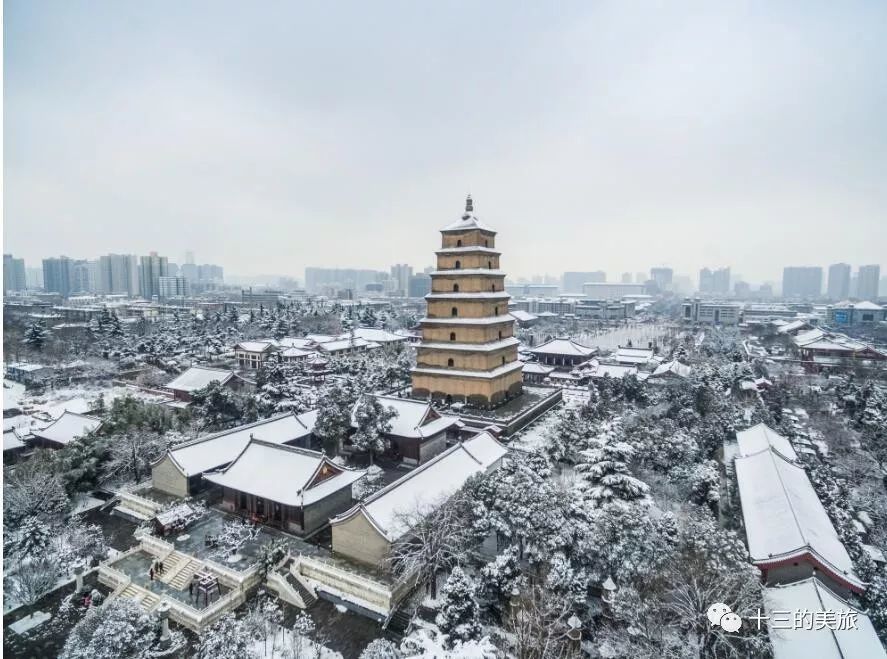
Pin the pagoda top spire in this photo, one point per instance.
(469, 206)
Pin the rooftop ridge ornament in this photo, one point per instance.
(469, 207)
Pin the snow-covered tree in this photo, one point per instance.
(217, 405)
(32, 491)
(373, 420)
(32, 579)
(117, 630)
(458, 615)
(36, 335)
(334, 418)
(262, 620)
(226, 639)
(233, 536)
(380, 648)
(605, 474)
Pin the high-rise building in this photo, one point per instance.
(626, 277)
(170, 287)
(14, 278)
(468, 350)
(839, 281)
(118, 274)
(57, 275)
(401, 273)
(662, 277)
(151, 269)
(420, 285)
(572, 281)
(34, 277)
(189, 258)
(867, 282)
(640, 278)
(716, 282)
(801, 282)
(83, 276)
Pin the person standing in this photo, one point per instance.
(151, 572)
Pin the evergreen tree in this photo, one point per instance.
(458, 617)
(373, 420)
(605, 474)
(36, 336)
(226, 639)
(334, 416)
(380, 648)
(117, 630)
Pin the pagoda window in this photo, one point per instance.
(454, 311)
(451, 363)
(490, 265)
(486, 243)
(453, 336)
(495, 311)
(503, 361)
(459, 243)
(455, 288)
(500, 335)
(493, 288)
(458, 264)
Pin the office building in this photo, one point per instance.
(867, 282)
(573, 281)
(839, 281)
(319, 280)
(34, 277)
(801, 282)
(626, 277)
(713, 313)
(13, 274)
(151, 269)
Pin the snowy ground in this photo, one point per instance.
(78, 399)
(13, 392)
(285, 644)
(29, 622)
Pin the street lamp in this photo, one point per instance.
(574, 633)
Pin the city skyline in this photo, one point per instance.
(626, 134)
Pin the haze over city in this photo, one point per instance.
(602, 136)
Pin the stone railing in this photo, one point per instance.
(138, 504)
(155, 546)
(373, 595)
(284, 590)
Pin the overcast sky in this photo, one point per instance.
(267, 137)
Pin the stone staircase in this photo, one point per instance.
(145, 599)
(180, 570)
(307, 596)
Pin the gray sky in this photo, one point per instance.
(615, 136)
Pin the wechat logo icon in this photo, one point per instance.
(720, 614)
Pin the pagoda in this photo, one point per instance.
(468, 351)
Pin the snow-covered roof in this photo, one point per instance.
(205, 453)
(303, 343)
(803, 338)
(761, 437)
(673, 367)
(455, 320)
(284, 474)
(469, 249)
(27, 367)
(466, 272)
(68, 427)
(864, 306)
(523, 316)
(375, 335)
(784, 517)
(793, 326)
(485, 375)
(480, 295)
(198, 377)
(563, 347)
(295, 353)
(415, 418)
(467, 222)
(793, 642)
(346, 344)
(11, 440)
(255, 346)
(389, 510)
(537, 369)
(633, 355)
(492, 346)
(613, 370)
